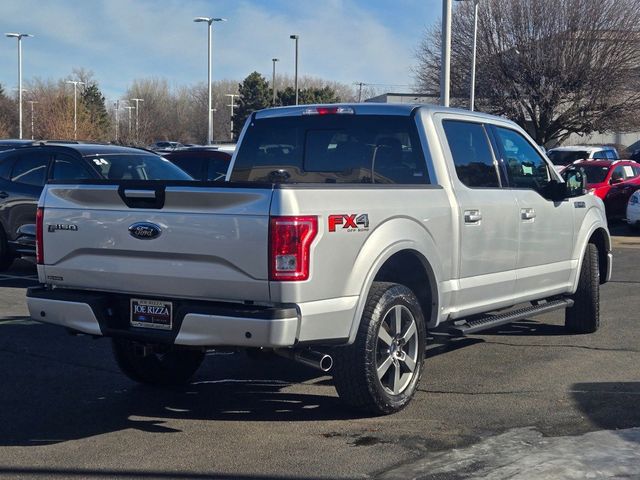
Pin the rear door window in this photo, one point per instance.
(332, 149)
(6, 162)
(218, 169)
(629, 172)
(475, 164)
(66, 167)
(189, 163)
(31, 168)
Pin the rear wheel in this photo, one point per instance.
(163, 365)
(6, 257)
(584, 316)
(380, 371)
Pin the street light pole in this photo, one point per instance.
(273, 80)
(360, 85)
(19, 36)
(75, 105)
(137, 100)
(232, 105)
(445, 57)
(209, 21)
(129, 108)
(32, 102)
(472, 94)
(296, 38)
(116, 104)
(472, 88)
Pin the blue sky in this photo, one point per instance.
(121, 40)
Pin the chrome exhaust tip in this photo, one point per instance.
(319, 361)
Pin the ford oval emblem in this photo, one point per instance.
(145, 230)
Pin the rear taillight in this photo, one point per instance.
(39, 235)
(290, 244)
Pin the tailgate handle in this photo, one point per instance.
(139, 193)
(142, 196)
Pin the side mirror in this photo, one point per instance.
(575, 181)
(613, 181)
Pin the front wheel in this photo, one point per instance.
(584, 316)
(163, 365)
(380, 371)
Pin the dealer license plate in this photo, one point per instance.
(155, 314)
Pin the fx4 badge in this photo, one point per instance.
(349, 222)
(69, 227)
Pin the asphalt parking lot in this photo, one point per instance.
(67, 412)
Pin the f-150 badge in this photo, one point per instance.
(349, 222)
(67, 227)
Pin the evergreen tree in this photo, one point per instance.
(254, 94)
(308, 96)
(93, 101)
(8, 115)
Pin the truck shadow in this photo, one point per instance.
(56, 388)
(609, 405)
(82, 473)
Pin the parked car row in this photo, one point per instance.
(613, 182)
(608, 177)
(27, 166)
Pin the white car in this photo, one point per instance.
(563, 156)
(633, 211)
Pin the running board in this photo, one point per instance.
(491, 321)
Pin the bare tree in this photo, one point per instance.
(554, 67)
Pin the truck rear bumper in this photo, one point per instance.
(195, 323)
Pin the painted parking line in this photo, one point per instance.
(18, 277)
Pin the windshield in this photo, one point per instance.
(133, 166)
(595, 174)
(565, 157)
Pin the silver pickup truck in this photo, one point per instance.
(342, 234)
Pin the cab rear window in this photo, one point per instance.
(331, 149)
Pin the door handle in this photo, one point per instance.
(472, 217)
(527, 213)
(4, 194)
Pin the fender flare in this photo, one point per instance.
(593, 222)
(425, 249)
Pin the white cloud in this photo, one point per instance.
(120, 40)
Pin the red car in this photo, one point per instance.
(614, 182)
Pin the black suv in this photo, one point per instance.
(11, 143)
(206, 164)
(24, 171)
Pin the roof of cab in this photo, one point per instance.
(370, 108)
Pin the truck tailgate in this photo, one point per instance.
(211, 244)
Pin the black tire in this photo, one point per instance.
(6, 257)
(167, 366)
(584, 316)
(355, 370)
